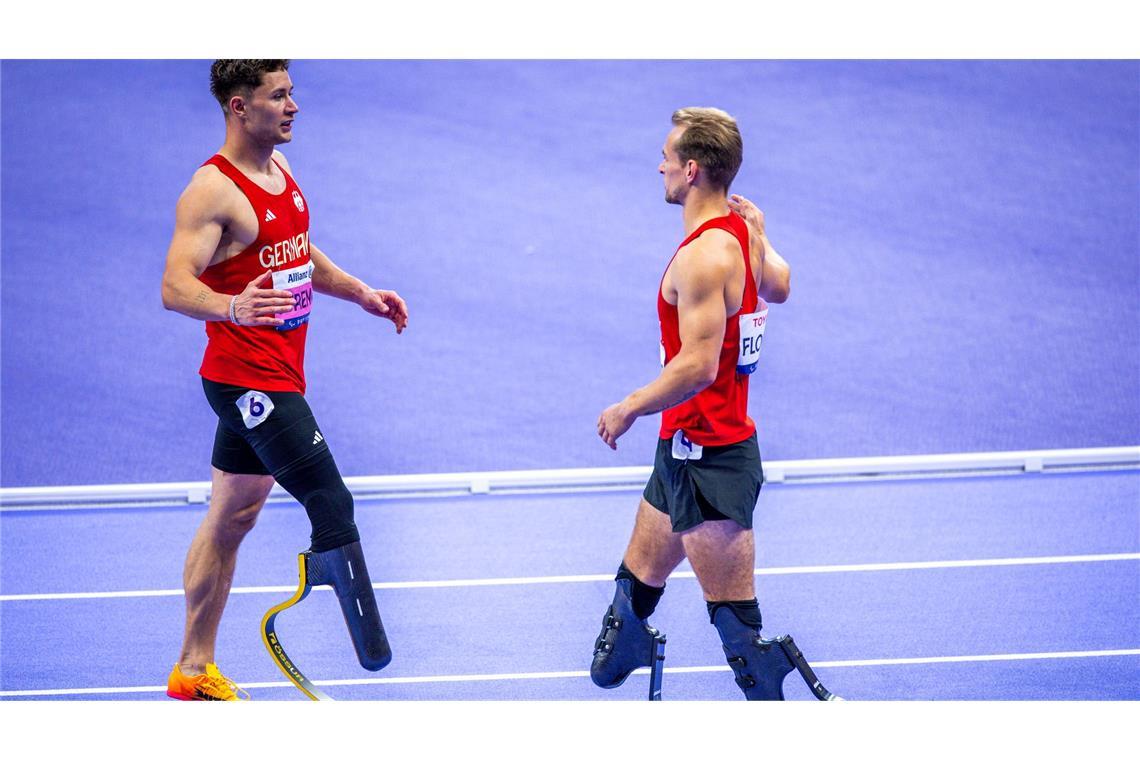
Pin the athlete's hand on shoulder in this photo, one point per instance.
(613, 423)
(747, 209)
(387, 304)
(256, 305)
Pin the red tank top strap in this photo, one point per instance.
(222, 164)
(720, 222)
(735, 225)
(248, 186)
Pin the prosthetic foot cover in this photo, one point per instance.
(625, 644)
(760, 665)
(343, 568)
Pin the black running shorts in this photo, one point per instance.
(722, 485)
(262, 432)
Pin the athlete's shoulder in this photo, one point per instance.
(715, 241)
(209, 194)
(279, 157)
(712, 255)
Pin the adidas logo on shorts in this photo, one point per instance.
(317, 438)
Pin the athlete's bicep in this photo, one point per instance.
(198, 229)
(701, 308)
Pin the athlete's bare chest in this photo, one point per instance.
(247, 218)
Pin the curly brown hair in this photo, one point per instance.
(231, 75)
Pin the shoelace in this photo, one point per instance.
(223, 686)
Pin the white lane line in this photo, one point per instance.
(585, 673)
(527, 581)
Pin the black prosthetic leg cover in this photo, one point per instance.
(625, 644)
(759, 664)
(343, 568)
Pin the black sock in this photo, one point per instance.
(747, 611)
(644, 596)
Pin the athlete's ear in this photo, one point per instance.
(237, 106)
(692, 169)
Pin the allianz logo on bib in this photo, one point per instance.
(298, 275)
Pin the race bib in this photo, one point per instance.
(683, 448)
(751, 336)
(255, 408)
(299, 282)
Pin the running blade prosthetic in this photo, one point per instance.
(342, 568)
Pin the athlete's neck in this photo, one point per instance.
(246, 154)
(702, 205)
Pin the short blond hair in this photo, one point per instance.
(712, 139)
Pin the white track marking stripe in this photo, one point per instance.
(586, 673)
(526, 581)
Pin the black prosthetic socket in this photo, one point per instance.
(759, 664)
(644, 596)
(316, 483)
(748, 612)
(343, 568)
(626, 642)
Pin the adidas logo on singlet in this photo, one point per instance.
(269, 217)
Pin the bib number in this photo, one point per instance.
(751, 337)
(255, 408)
(685, 449)
(299, 282)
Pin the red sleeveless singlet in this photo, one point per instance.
(264, 358)
(718, 415)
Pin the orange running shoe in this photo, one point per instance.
(211, 686)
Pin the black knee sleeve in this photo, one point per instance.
(644, 596)
(317, 484)
(747, 612)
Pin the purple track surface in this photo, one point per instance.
(963, 238)
(965, 246)
(516, 629)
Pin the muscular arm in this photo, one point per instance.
(700, 278)
(775, 283)
(331, 280)
(328, 278)
(700, 275)
(197, 231)
(776, 276)
(200, 219)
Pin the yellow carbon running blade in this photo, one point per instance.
(273, 644)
